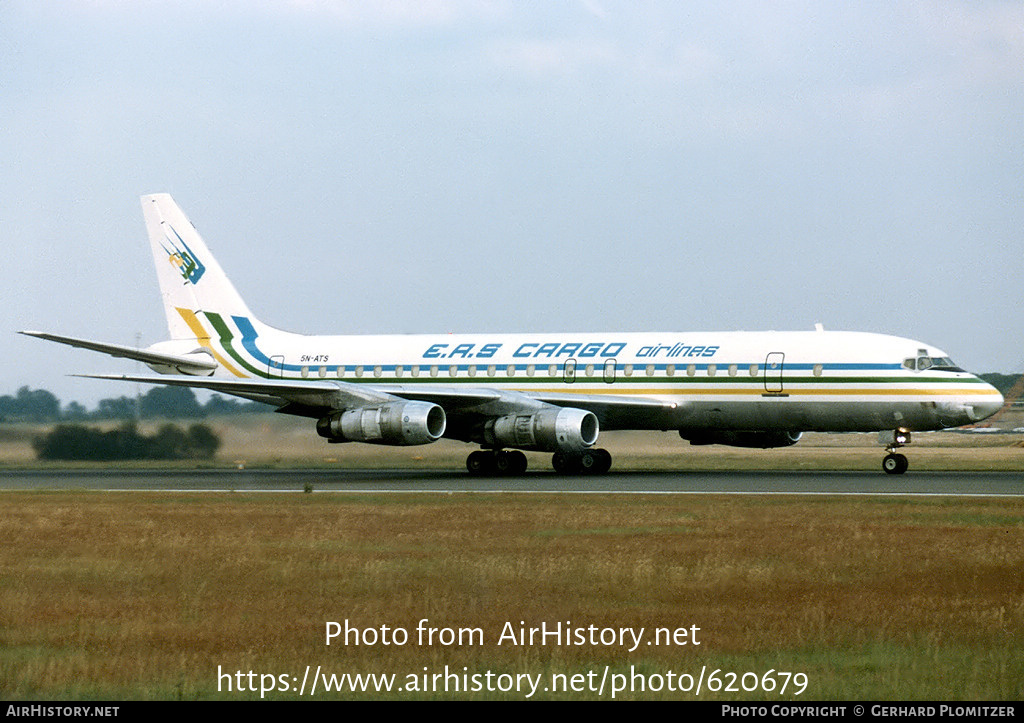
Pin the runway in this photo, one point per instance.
(354, 481)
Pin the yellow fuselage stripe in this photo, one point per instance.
(204, 339)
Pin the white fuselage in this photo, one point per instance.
(799, 381)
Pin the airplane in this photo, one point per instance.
(541, 392)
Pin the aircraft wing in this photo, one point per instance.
(194, 364)
(617, 411)
(613, 410)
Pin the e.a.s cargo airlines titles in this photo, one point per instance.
(542, 392)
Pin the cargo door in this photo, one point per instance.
(773, 369)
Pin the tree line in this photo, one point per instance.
(78, 442)
(40, 405)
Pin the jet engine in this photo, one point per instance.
(549, 430)
(757, 440)
(396, 423)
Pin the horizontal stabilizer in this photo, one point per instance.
(191, 364)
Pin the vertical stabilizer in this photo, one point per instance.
(190, 278)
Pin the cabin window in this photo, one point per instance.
(590, 370)
(628, 370)
(377, 371)
(817, 370)
(732, 370)
(341, 371)
(433, 370)
(305, 372)
(415, 370)
(453, 370)
(491, 370)
(691, 370)
(472, 370)
(511, 370)
(671, 370)
(552, 370)
(712, 370)
(530, 370)
(398, 370)
(322, 372)
(359, 371)
(650, 370)
(753, 370)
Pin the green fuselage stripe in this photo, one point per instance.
(226, 336)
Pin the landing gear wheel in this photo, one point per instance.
(519, 462)
(509, 462)
(565, 463)
(604, 461)
(480, 463)
(895, 464)
(504, 463)
(589, 461)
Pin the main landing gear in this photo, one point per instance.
(496, 463)
(512, 462)
(893, 462)
(589, 461)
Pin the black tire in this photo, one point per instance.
(565, 462)
(895, 464)
(604, 461)
(502, 463)
(519, 462)
(480, 463)
(589, 462)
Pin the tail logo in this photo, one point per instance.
(182, 257)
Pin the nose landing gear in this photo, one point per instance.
(893, 462)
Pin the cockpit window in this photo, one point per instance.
(944, 364)
(934, 363)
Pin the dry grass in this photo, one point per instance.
(144, 595)
(277, 440)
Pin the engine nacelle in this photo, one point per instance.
(549, 430)
(397, 423)
(756, 440)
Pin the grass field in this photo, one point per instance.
(148, 595)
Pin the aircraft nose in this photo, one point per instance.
(984, 409)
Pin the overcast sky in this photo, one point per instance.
(433, 166)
